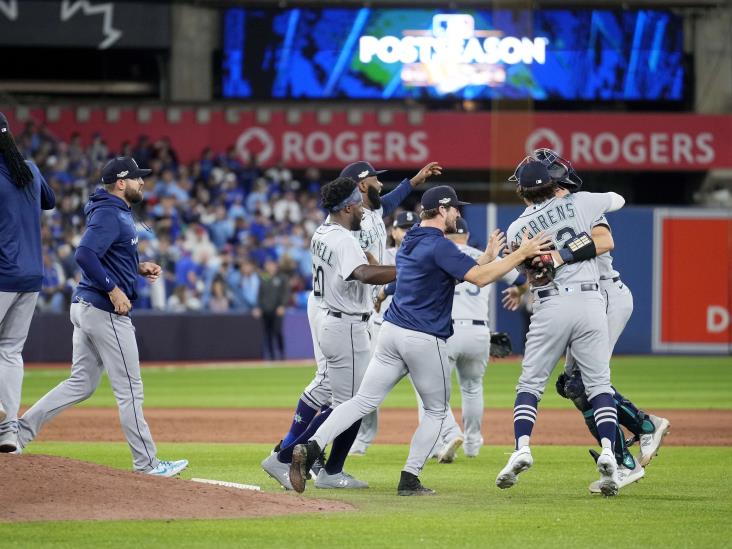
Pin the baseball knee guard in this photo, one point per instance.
(632, 418)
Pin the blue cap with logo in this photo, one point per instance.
(406, 220)
(533, 174)
(442, 195)
(122, 167)
(461, 226)
(358, 171)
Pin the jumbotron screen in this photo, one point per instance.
(365, 53)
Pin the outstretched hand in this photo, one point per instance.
(531, 247)
(433, 168)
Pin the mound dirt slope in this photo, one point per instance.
(38, 488)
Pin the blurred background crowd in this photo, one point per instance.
(229, 235)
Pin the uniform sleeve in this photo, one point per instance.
(350, 256)
(390, 201)
(102, 231)
(451, 260)
(48, 198)
(597, 204)
(92, 267)
(602, 220)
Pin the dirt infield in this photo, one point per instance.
(37, 488)
(565, 426)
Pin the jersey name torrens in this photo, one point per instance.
(544, 220)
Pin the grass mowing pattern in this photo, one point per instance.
(684, 501)
(652, 382)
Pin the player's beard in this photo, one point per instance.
(450, 225)
(133, 196)
(356, 223)
(374, 198)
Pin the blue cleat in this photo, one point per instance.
(169, 468)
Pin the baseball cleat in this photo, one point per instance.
(169, 468)
(520, 461)
(8, 443)
(409, 485)
(339, 480)
(357, 451)
(625, 476)
(650, 443)
(448, 451)
(318, 465)
(303, 457)
(277, 470)
(608, 469)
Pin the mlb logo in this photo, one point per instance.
(449, 25)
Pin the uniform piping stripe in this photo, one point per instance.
(445, 400)
(353, 364)
(132, 394)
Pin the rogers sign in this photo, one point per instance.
(633, 148)
(296, 147)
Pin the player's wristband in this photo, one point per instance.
(578, 248)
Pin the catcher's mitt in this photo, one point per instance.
(500, 345)
(540, 270)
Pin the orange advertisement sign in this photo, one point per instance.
(694, 271)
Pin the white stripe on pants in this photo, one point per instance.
(101, 341)
(400, 351)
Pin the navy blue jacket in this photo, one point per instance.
(428, 265)
(111, 236)
(21, 262)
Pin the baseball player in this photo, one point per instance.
(372, 237)
(104, 337)
(342, 274)
(469, 347)
(648, 429)
(413, 335)
(23, 194)
(568, 311)
(370, 422)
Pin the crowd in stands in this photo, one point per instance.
(220, 228)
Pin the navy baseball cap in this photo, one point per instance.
(533, 174)
(122, 167)
(442, 195)
(358, 171)
(461, 226)
(406, 220)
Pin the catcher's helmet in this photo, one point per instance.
(560, 169)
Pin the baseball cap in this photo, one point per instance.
(442, 195)
(358, 171)
(405, 220)
(533, 174)
(122, 167)
(461, 226)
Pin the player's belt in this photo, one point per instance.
(363, 316)
(586, 287)
(475, 322)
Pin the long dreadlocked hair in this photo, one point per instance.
(19, 170)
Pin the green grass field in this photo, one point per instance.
(684, 501)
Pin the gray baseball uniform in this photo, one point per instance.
(317, 394)
(570, 311)
(343, 333)
(101, 341)
(469, 351)
(16, 313)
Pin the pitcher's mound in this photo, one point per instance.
(36, 488)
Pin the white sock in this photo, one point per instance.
(523, 441)
(606, 444)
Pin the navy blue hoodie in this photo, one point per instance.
(112, 236)
(428, 265)
(21, 263)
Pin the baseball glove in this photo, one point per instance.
(500, 345)
(540, 270)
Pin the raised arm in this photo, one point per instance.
(374, 274)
